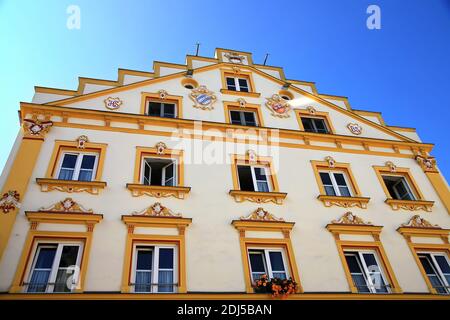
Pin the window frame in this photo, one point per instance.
(334, 184)
(435, 265)
(242, 120)
(162, 104)
(235, 106)
(267, 263)
(237, 85)
(325, 116)
(147, 97)
(174, 161)
(236, 74)
(77, 169)
(266, 169)
(404, 180)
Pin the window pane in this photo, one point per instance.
(426, 264)
(360, 283)
(260, 174)
(45, 258)
(245, 178)
(257, 263)
(85, 175)
(88, 162)
(235, 117)
(353, 264)
(166, 258)
(169, 110)
(243, 85)
(65, 174)
(325, 177)
(144, 260)
(370, 260)
(276, 261)
(320, 125)
(143, 281)
(340, 180)
(69, 256)
(38, 281)
(230, 84)
(280, 275)
(329, 190)
(249, 119)
(154, 109)
(69, 161)
(344, 191)
(165, 281)
(147, 171)
(443, 264)
(61, 281)
(307, 124)
(261, 180)
(169, 175)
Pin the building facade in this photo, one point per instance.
(196, 179)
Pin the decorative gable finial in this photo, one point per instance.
(160, 148)
(350, 218)
(391, 165)
(157, 210)
(261, 215)
(331, 161)
(68, 205)
(82, 141)
(418, 222)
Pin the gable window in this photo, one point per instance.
(335, 183)
(154, 269)
(317, 125)
(398, 187)
(253, 178)
(78, 166)
(365, 271)
(161, 109)
(244, 118)
(437, 268)
(270, 262)
(159, 172)
(52, 266)
(237, 84)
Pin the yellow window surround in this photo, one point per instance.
(160, 150)
(155, 216)
(310, 112)
(256, 222)
(412, 205)
(81, 145)
(417, 228)
(352, 225)
(329, 165)
(250, 159)
(236, 72)
(163, 97)
(243, 106)
(64, 212)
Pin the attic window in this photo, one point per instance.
(286, 95)
(189, 83)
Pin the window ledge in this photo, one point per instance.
(411, 205)
(138, 190)
(241, 93)
(258, 197)
(345, 202)
(70, 186)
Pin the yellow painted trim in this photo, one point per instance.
(278, 69)
(310, 84)
(441, 187)
(299, 113)
(371, 114)
(189, 81)
(158, 64)
(191, 58)
(87, 219)
(218, 55)
(138, 189)
(155, 97)
(230, 105)
(26, 257)
(55, 91)
(405, 129)
(92, 187)
(339, 98)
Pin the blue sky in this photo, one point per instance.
(401, 70)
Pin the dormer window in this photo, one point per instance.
(238, 84)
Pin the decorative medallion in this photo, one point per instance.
(66, 205)
(113, 103)
(242, 102)
(261, 215)
(418, 222)
(350, 218)
(157, 210)
(331, 161)
(391, 165)
(354, 128)
(252, 156)
(311, 110)
(10, 201)
(82, 141)
(427, 163)
(162, 94)
(278, 106)
(234, 57)
(203, 98)
(160, 147)
(36, 128)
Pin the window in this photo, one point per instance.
(335, 183)
(78, 166)
(237, 84)
(159, 172)
(437, 269)
(161, 109)
(317, 125)
(154, 269)
(52, 266)
(267, 261)
(398, 187)
(365, 271)
(253, 178)
(244, 118)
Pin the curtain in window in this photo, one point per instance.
(39, 280)
(143, 281)
(165, 281)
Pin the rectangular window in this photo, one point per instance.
(159, 172)
(335, 183)
(253, 178)
(316, 125)
(366, 272)
(52, 266)
(437, 269)
(244, 118)
(237, 84)
(267, 261)
(154, 269)
(78, 166)
(398, 187)
(161, 109)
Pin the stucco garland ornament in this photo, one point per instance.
(68, 205)
(160, 148)
(252, 156)
(311, 110)
(428, 164)
(355, 128)
(278, 106)
(350, 218)
(113, 103)
(234, 57)
(331, 162)
(242, 102)
(35, 127)
(391, 165)
(418, 222)
(162, 94)
(203, 98)
(10, 201)
(82, 141)
(261, 215)
(157, 210)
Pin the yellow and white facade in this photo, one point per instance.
(190, 181)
